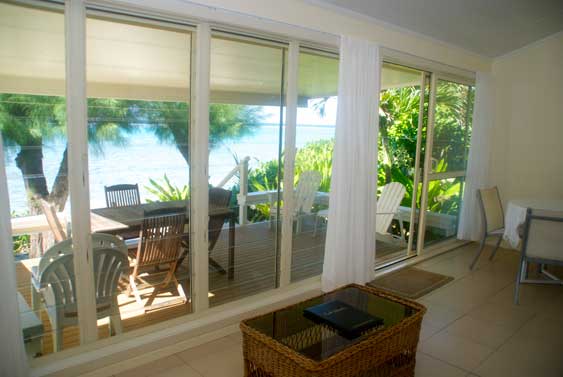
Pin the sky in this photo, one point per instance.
(305, 116)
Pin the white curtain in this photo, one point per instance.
(13, 361)
(477, 175)
(350, 241)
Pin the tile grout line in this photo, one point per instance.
(444, 329)
(445, 362)
(505, 342)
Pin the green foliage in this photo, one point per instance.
(316, 156)
(263, 178)
(22, 243)
(164, 191)
(452, 124)
(228, 122)
(399, 112)
(25, 119)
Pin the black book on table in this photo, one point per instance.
(347, 320)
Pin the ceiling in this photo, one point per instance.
(488, 27)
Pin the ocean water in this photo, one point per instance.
(144, 157)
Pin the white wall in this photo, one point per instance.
(528, 131)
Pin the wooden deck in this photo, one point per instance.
(255, 271)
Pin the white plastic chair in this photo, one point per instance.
(387, 207)
(542, 243)
(58, 288)
(99, 241)
(304, 196)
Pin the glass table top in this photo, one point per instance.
(290, 327)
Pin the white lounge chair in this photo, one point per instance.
(387, 208)
(304, 196)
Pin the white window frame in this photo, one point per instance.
(429, 176)
(78, 176)
(75, 33)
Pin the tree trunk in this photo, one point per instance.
(59, 192)
(182, 145)
(387, 152)
(30, 162)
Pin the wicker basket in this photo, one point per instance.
(388, 352)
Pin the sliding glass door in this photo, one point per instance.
(245, 144)
(402, 126)
(448, 146)
(138, 80)
(314, 140)
(34, 131)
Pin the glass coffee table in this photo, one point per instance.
(287, 343)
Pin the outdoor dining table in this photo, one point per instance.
(516, 215)
(131, 218)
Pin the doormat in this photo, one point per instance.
(411, 282)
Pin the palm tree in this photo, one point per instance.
(28, 121)
(169, 122)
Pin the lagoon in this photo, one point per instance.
(144, 157)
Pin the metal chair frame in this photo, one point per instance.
(495, 232)
(522, 275)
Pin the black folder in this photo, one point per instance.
(347, 320)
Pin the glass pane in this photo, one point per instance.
(244, 158)
(33, 125)
(316, 121)
(399, 112)
(452, 126)
(451, 137)
(138, 121)
(444, 203)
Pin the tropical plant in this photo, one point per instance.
(21, 242)
(317, 156)
(164, 191)
(398, 118)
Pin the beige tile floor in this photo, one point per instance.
(471, 328)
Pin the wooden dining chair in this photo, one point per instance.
(122, 195)
(160, 243)
(218, 199)
(492, 219)
(53, 220)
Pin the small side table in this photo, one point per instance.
(285, 343)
